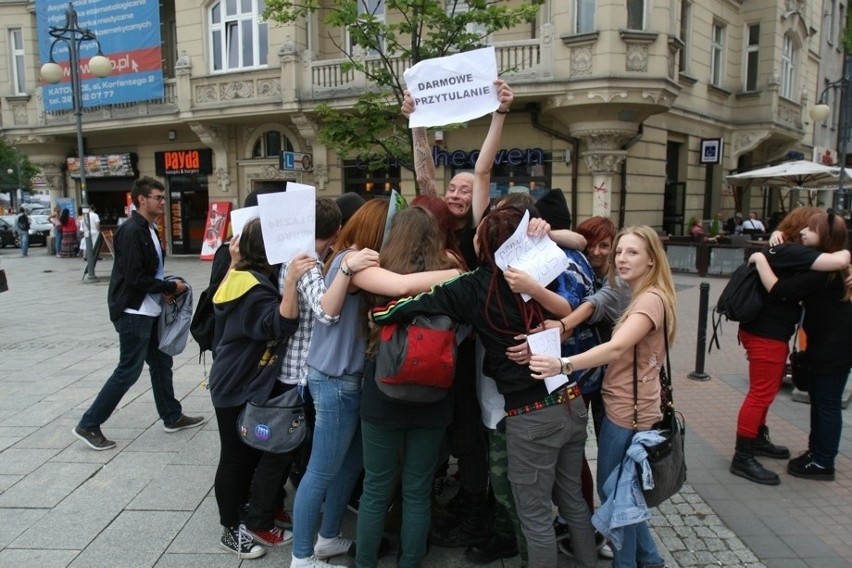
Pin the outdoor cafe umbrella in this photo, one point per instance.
(799, 174)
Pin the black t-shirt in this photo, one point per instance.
(465, 236)
(780, 313)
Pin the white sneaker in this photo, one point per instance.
(605, 551)
(328, 547)
(309, 562)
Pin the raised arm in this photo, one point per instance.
(522, 283)
(424, 166)
(767, 275)
(568, 239)
(485, 160)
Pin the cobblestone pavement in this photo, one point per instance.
(150, 502)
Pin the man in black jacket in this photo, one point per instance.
(136, 290)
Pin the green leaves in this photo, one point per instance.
(384, 38)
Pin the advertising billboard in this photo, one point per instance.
(129, 34)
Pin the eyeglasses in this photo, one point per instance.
(159, 198)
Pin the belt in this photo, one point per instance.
(562, 396)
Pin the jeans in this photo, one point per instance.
(57, 237)
(546, 449)
(335, 462)
(138, 344)
(237, 462)
(767, 361)
(382, 449)
(826, 393)
(638, 547)
(25, 242)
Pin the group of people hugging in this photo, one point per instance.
(614, 309)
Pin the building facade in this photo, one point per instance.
(636, 109)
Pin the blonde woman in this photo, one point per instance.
(640, 261)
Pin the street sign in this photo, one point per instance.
(296, 162)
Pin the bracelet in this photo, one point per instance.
(345, 269)
(562, 323)
(498, 111)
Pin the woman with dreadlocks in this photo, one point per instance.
(546, 433)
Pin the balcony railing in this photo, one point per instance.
(789, 112)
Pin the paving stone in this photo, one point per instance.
(21, 462)
(48, 485)
(135, 538)
(176, 488)
(37, 558)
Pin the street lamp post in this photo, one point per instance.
(72, 35)
(18, 190)
(821, 111)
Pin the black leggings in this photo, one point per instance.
(237, 463)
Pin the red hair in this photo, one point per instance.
(596, 230)
(439, 210)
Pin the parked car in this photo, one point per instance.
(40, 228)
(7, 234)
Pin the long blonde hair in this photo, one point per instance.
(659, 275)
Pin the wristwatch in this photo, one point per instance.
(567, 366)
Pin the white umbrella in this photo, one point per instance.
(797, 174)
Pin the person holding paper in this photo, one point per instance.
(640, 261)
(266, 517)
(335, 368)
(545, 432)
(254, 315)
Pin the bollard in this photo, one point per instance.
(703, 300)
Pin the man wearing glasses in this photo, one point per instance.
(136, 290)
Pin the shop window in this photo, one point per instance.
(533, 174)
(270, 145)
(358, 178)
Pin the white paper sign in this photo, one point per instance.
(239, 218)
(288, 223)
(542, 258)
(547, 343)
(451, 89)
(293, 186)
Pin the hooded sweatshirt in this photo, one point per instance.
(254, 335)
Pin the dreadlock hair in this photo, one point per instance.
(252, 249)
(493, 231)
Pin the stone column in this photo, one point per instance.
(603, 155)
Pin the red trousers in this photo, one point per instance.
(767, 361)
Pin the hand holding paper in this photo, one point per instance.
(546, 343)
(541, 258)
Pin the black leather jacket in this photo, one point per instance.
(135, 267)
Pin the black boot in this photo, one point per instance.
(744, 464)
(492, 549)
(763, 446)
(471, 527)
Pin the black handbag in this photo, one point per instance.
(667, 458)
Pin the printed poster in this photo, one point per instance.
(216, 228)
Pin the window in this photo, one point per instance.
(376, 8)
(271, 144)
(831, 16)
(584, 17)
(635, 14)
(19, 72)
(238, 37)
(684, 35)
(458, 7)
(359, 179)
(752, 56)
(788, 67)
(717, 55)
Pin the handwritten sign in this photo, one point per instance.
(547, 343)
(542, 258)
(288, 224)
(239, 218)
(451, 89)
